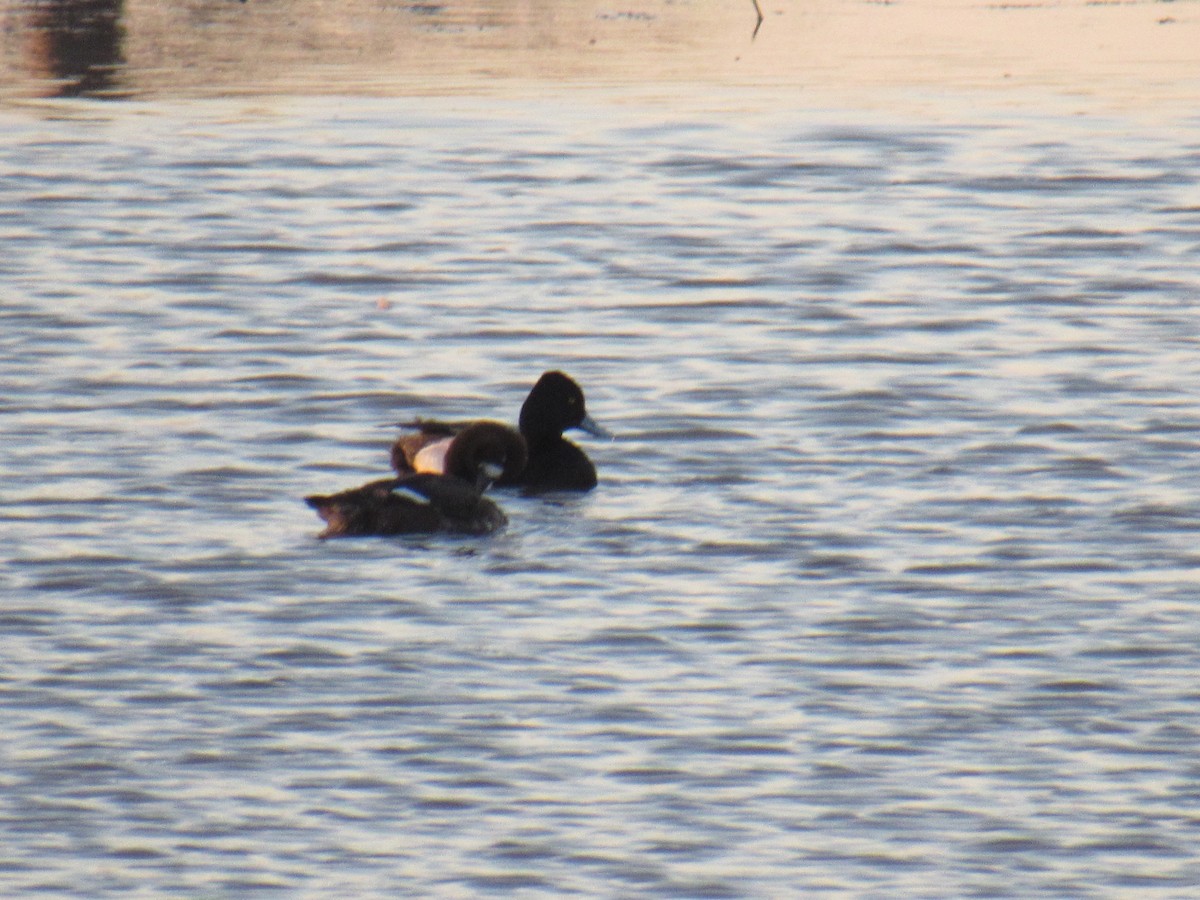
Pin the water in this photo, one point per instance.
(888, 589)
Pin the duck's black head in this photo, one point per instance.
(555, 404)
(486, 452)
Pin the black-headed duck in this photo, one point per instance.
(426, 503)
(554, 405)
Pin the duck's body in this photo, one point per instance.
(418, 504)
(424, 503)
(554, 405)
(555, 464)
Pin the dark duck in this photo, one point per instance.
(427, 503)
(554, 405)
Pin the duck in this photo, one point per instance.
(427, 450)
(555, 404)
(428, 503)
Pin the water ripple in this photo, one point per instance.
(886, 590)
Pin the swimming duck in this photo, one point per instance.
(427, 450)
(554, 405)
(425, 503)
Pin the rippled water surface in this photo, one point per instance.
(889, 587)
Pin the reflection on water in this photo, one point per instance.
(1128, 52)
(93, 47)
(75, 46)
